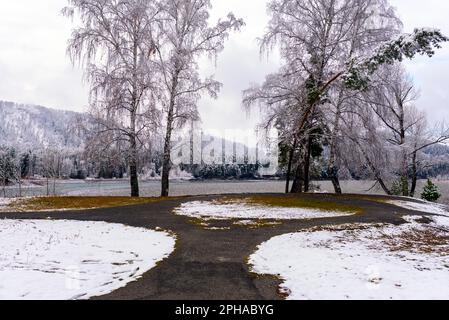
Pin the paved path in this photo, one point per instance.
(211, 264)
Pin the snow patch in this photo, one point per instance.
(74, 260)
(428, 207)
(5, 203)
(365, 264)
(219, 211)
(176, 174)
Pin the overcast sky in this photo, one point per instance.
(34, 67)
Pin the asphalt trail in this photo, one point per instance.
(211, 264)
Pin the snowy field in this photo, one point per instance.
(218, 211)
(374, 262)
(182, 188)
(74, 260)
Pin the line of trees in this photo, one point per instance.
(341, 91)
(48, 163)
(342, 86)
(141, 61)
(10, 170)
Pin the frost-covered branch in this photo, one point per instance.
(420, 42)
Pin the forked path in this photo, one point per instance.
(212, 264)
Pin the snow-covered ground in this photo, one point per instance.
(223, 211)
(5, 201)
(422, 206)
(389, 262)
(4, 204)
(74, 260)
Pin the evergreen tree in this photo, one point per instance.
(430, 192)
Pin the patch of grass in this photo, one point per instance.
(257, 224)
(77, 203)
(289, 201)
(351, 227)
(429, 240)
(226, 224)
(199, 222)
(212, 224)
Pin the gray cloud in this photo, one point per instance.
(33, 63)
(430, 75)
(34, 67)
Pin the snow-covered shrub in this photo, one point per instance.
(176, 173)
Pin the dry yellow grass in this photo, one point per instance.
(289, 201)
(77, 203)
(430, 240)
(80, 203)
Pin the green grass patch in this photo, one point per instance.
(77, 203)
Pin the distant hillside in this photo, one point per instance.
(437, 150)
(35, 127)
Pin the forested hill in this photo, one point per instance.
(35, 127)
(438, 150)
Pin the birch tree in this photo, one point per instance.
(316, 38)
(329, 43)
(187, 37)
(392, 99)
(51, 162)
(116, 46)
(397, 130)
(423, 138)
(366, 147)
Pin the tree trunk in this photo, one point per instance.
(166, 163)
(290, 164)
(332, 170)
(134, 178)
(404, 175)
(133, 175)
(404, 169)
(335, 180)
(298, 182)
(308, 155)
(414, 175)
(133, 172)
(384, 186)
(192, 146)
(373, 169)
(20, 188)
